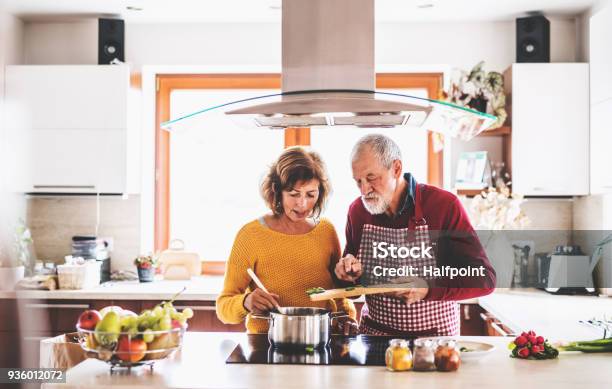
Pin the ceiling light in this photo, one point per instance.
(133, 8)
(424, 6)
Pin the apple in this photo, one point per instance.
(177, 324)
(89, 319)
(131, 350)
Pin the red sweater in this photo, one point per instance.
(458, 245)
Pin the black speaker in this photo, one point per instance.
(533, 39)
(111, 41)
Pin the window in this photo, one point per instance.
(335, 145)
(215, 172)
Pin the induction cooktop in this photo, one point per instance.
(342, 350)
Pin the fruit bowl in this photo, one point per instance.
(131, 348)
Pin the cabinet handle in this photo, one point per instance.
(36, 338)
(466, 312)
(64, 186)
(196, 308)
(497, 327)
(540, 188)
(485, 316)
(49, 306)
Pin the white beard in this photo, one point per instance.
(376, 208)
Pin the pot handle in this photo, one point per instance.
(338, 314)
(260, 316)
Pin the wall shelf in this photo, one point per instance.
(501, 131)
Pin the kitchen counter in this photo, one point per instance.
(204, 288)
(554, 316)
(201, 364)
(519, 309)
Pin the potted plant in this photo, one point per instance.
(479, 90)
(13, 266)
(11, 272)
(146, 265)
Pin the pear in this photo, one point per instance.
(163, 345)
(107, 330)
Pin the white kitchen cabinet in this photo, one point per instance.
(71, 96)
(600, 55)
(550, 128)
(76, 161)
(601, 147)
(74, 123)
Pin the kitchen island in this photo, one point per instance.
(201, 364)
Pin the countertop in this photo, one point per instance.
(205, 288)
(201, 364)
(554, 316)
(520, 309)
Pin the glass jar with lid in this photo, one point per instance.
(447, 357)
(423, 358)
(398, 356)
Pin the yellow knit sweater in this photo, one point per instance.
(286, 264)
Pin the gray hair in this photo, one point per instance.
(385, 149)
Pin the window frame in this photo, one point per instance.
(166, 83)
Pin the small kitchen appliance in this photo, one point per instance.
(92, 247)
(569, 271)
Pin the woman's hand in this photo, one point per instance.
(348, 268)
(259, 301)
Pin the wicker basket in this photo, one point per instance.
(79, 276)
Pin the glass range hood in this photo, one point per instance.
(346, 108)
(328, 79)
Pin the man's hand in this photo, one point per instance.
(345, 326)
(415, 294)
(259, 301)
(348, 268)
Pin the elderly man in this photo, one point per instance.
(396, 210)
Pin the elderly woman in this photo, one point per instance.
(290, 249)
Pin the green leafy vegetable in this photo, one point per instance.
(317, 290)
(591, 346)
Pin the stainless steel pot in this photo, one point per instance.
(300, 327)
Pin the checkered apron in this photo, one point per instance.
(387, 315)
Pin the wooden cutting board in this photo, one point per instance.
(360, 290)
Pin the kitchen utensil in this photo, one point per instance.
(521, 262)
(177, 264)
(605, 325)
(299, 327)
(353, 291)
(259, 284)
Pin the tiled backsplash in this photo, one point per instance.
(54, 220)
